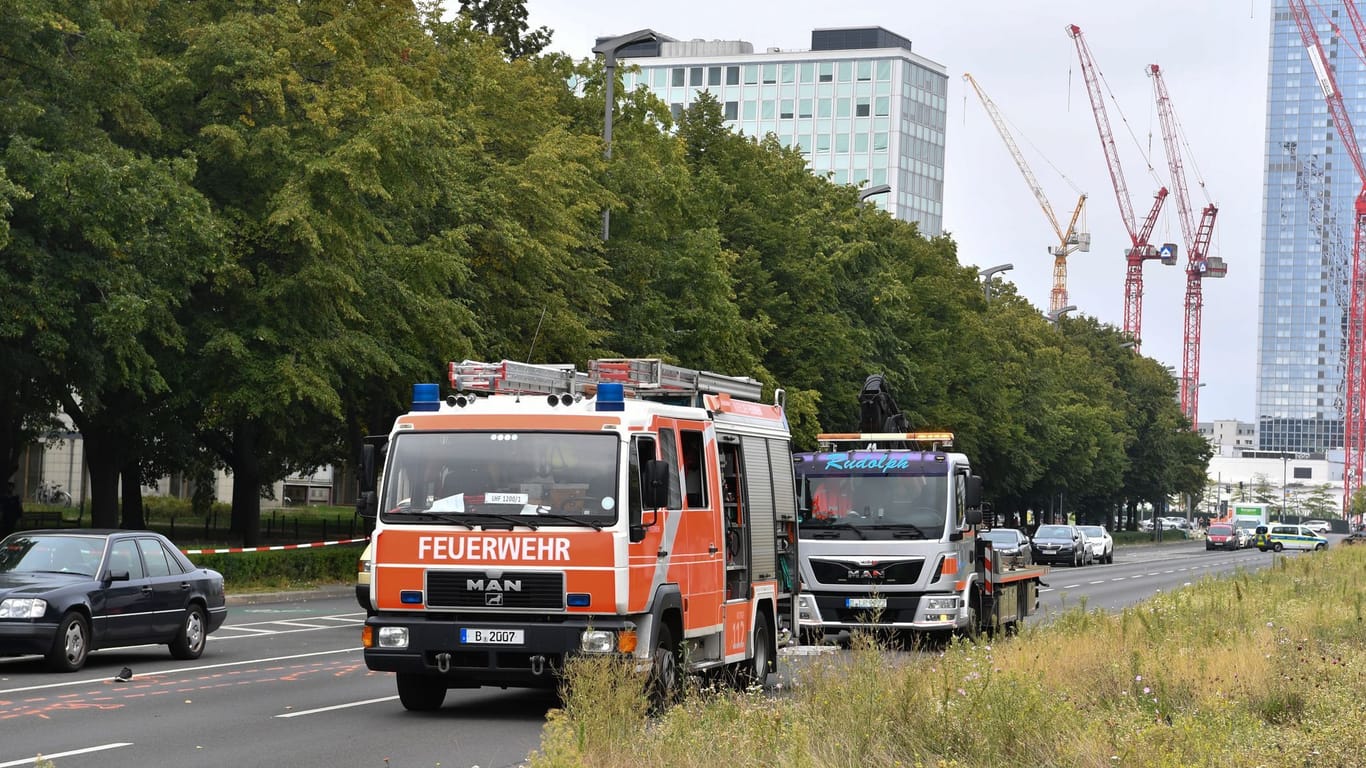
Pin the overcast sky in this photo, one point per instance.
(1214, 61)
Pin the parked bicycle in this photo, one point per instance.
(52, 494)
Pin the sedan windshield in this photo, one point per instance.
(1093, 530)
(472, 477)
(1009, 538)
(1053, 532)
(51, 554)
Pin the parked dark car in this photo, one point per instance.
(1355, 537)
(64, 593)
(1011, 546)
(1060, 544)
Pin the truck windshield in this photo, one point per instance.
(457, 476)
(876, 501)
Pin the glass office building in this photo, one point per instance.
(861, 106)
(1310, 186)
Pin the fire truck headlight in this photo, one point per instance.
(806, 607)
(597, 641)
(941, 603)
(393, 637)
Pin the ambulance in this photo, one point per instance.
(538, 512)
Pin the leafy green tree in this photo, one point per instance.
(506, 21)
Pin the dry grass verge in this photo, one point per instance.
(1264, 669)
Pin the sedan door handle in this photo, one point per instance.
(185, 586)
(147, 590)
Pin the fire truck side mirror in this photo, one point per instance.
(367, 503)
(654, 494)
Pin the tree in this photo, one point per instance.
(505, 20)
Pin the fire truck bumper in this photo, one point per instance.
(832, 612)
(475, 652)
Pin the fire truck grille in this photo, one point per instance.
(882, 572)
(508, 590)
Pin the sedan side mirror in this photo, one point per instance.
(116, 576)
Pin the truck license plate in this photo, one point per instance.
(865, 602)
(491, 636)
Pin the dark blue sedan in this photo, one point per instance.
(64, 593)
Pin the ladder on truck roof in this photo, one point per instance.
(887, 440)
(646, 377)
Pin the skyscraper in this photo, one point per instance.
(861, 106)
(1310, 185)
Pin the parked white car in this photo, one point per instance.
(1318, 526)
(1102, 543)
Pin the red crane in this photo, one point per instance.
(1140, 250)
(1353, 425)
(1199, 265)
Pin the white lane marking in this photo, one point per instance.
(337, 706)
(1121, 578)
(57, 755)
(183, 670)
(1102, 581)
(1071, 586)
(335, 616)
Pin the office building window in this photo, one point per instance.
(804, 108)
(676, 110)
(845, 69)
(732, 110)
(789, 73)
(862, 107)
(841, 142)
(713, 75)
(770, 73)
(785, 109)
(751, 74)
(807, 72)
(865, 70)
(678, 77)
(695, 76)
(732, 75)
(826, 72)
(882, 106)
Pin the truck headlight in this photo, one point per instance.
(597, 641)
(941, 603)
(393, 637)
(22, 608)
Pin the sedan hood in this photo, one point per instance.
(35, 584)
(1053, 540)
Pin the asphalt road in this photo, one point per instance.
(284, 683)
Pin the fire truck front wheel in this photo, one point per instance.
(665, 684)
(420, 693)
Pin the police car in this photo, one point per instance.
(1279, 536)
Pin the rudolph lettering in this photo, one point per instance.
(493, 548)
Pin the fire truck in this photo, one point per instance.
(539, 512)
(889, 523)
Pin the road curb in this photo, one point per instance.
(292, 595)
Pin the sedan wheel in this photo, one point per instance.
(189, 644)
(71, 645)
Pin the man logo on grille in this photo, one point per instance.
(493, 599)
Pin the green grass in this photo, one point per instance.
(1265, 669)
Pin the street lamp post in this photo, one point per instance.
(1059, 312)
(876, 189)
(608, 48)
(990, 272)
(1285, 460)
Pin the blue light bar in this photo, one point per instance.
(611, 396)
(578, 599)
(426, 397)
(410, 597)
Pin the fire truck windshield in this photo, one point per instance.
(875, 501)
(501, 474)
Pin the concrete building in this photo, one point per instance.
(859, 104)
(1239, 471)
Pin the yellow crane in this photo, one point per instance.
(1069, 239)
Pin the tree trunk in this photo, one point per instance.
(246, 486)
(133, 517)
(104, 482)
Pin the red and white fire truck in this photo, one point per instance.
(538, 512)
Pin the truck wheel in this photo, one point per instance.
(420, 693)
(754, 672)
(664, 685)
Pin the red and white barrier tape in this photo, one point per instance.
(276, 548)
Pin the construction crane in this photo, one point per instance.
(1069, 239)
(1353, 433)
(1140, 250)
(1199, 265)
